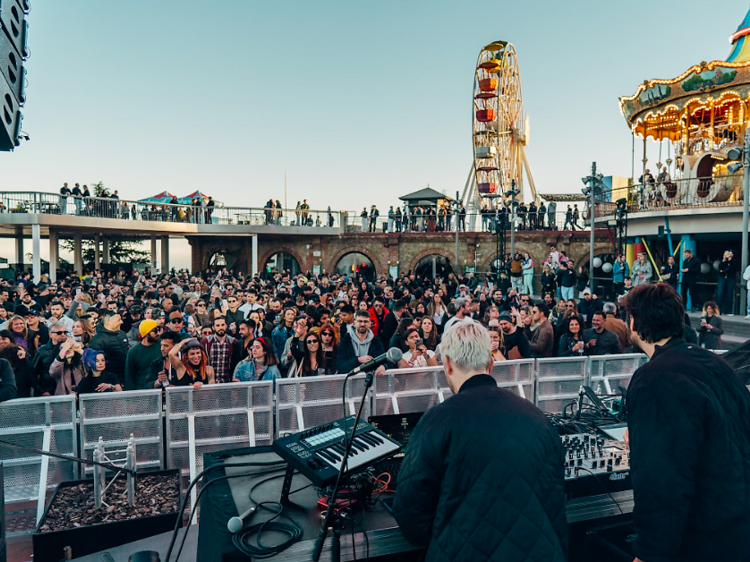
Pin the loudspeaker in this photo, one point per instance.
(3, 553)
(13, 51)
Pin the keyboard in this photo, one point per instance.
(318, 453)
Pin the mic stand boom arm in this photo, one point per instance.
(330, 510)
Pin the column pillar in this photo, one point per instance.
(105, 250)
(255, 255)
(19, 246)
(36, 258)
(54, 256)
(97, 251)
(164, 254)
(77, 255)
(153, 254)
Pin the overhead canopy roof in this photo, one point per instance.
(426, 196)
(563, 197)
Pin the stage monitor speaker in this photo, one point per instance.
(3, 549)
(11, 66)
(13, 51)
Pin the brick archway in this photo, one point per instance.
(289, 250)
(367, 252)
(209, 250)
(598, 250)
(437, 251)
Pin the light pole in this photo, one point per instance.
(457, 214)
(512, 193)
(743, 155)
(593, 183)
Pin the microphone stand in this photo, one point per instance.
(333, 520)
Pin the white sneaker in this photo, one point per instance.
(747, 317)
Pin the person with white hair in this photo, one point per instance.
(457, 493)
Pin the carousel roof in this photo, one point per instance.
(656, 102)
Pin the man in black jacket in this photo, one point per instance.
(45, 355)
(689, 431)
(598, 340)
(727, 282)
(358, 345)
(110, 339)
(691, 267)
(391, 321)
(483, 474)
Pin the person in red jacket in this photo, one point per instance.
(378, 312)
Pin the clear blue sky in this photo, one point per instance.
(359, 102)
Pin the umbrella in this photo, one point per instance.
(188, 199)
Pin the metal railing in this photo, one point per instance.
(105, 207)
(226, 416)
(709, 192)
(473, 222)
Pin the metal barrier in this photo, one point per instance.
(608, 373)
(115, 415)
(517, 375)
(558, 380)
(48, 424)
(405, 391)
(214, 418)
(305, 402)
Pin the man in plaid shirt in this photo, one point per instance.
(223, 351)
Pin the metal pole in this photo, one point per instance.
(745, 213)
(592, 183)
(458, 224)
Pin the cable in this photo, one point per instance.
(79, 460)
(603, 487)
(192, 485)
(194, 508)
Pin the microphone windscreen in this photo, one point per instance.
(235, 524)
(394, 355)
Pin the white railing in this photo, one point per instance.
(239, 415)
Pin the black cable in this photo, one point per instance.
(192, 485)
(194, 508)
(596, 478)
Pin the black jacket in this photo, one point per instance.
(689, 423)
(7, 381)
(42, 361)
(458, 493)
(693, 266)
(115, 347)
(606, 342)
(346, 358)
(389, 327)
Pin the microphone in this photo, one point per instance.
(235, 524)
(393, 355)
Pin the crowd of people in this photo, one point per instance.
(130, 332)
(447, 218)
(108, 205)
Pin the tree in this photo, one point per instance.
(120, 251)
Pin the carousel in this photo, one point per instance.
(700, 115)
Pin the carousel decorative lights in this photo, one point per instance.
(703, 114)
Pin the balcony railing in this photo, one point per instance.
(714, 192)
(220, 214)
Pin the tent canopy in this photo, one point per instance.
(188, 199)
(163, 197)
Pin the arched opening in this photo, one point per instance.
(281, 261)
(433, 266)
(356, 264)
(223, 258)
(600, 276)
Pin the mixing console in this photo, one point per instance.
(594, 465)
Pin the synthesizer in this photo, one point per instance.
(318, 453)
(594, 465)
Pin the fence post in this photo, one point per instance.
(43, 471)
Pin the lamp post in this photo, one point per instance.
(512, 193)
(742, 155)
(456, 213)
(593, 183)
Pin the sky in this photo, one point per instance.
(357, 102)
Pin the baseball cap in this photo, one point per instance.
(146, 327)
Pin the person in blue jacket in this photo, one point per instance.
(260, 365)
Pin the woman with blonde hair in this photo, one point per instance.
(497, 343)
(84, 329)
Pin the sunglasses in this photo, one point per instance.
(201, 304)
(310, 342)
(327, 334)
(59, 333)
(207, 333)
(177, 321)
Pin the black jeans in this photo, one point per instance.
(688, 285)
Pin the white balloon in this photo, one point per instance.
(705, 268)
(597, 262)
(607, 267)
(717, 263)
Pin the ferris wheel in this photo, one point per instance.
(500, 127)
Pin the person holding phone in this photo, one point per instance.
(417, 354)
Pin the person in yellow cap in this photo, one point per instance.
(138, 372)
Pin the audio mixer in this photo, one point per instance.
(594, 466)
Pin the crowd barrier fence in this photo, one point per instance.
(177, 431)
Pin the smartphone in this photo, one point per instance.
(78, 291)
